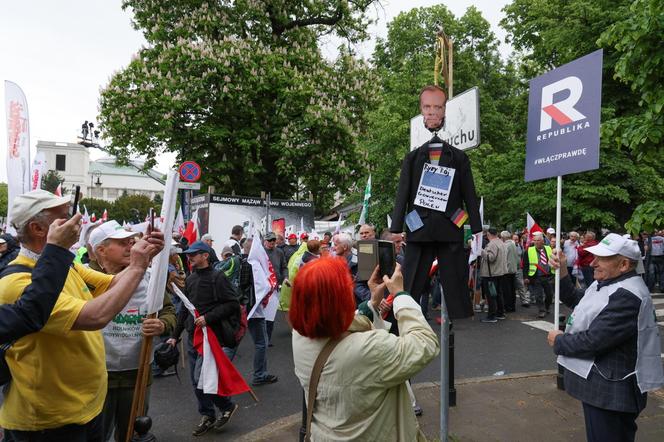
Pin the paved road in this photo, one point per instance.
(481, 350)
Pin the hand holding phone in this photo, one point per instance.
(74, 207)
(151, 225)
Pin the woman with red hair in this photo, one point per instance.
(361, 392)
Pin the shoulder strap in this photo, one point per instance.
(15, 268)
(315, 377)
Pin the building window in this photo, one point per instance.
(112, 193)
(60, 162)
(97, 192)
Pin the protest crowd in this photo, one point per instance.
(73, 326)
(104, 332)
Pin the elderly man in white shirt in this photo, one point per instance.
(569, 248)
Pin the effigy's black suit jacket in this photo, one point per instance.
(438, 226)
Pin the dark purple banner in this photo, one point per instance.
(563, 119)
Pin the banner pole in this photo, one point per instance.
(556, 308)
(444, 368)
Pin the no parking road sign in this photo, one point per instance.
(190, 171)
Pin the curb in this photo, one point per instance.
(286, 422)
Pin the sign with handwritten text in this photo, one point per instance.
(434, 189)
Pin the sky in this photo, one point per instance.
(61, 53)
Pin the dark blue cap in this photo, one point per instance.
(198, 247)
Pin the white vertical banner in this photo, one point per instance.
(37, 173)
(18, 145)
(476, 245)
(159, 269)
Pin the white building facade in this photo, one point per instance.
(103, 178)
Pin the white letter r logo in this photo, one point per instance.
(562, 112)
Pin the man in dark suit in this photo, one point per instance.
(611, 347)
(437, 232)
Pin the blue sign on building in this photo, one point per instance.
(563, 119)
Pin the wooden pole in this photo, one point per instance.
(138, 403)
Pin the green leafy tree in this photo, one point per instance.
(549, 34)
(637, 40)
(242, 88)
(51, 180)
(3, 199)
(132, 208)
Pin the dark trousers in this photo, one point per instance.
(588, 275)
(609, 426)
(656, 273)
(541, 291)
(451, 271)
(495, 303)
(571, 275)
(117, 407)
(269, 326)
(258, 332)
(206, 402)
(509, 291)
(90, 432)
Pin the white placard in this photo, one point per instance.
(189, 186)
(462, 123)
(434, 189)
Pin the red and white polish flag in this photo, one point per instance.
(218, 374)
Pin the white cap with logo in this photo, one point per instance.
(109, 230)
(31, 203)
(614, 244)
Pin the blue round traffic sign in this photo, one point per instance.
(190, 171)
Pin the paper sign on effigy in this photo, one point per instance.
(434, 189)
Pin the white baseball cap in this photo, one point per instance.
(614, 244)
(109, 230)
(550, 231)
(31, 203)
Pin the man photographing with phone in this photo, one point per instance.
(31, 311)
(64, 401)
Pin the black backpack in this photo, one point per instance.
(5, 374)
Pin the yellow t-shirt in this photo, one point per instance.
(58, 374)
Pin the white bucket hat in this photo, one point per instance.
(31, 203)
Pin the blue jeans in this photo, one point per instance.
(656, 273)
(258, 330)
(206, 402)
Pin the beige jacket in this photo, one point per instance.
(362, 394)
(495, 255)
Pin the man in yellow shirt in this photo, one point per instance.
(58, 382)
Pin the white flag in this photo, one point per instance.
(18, 146)
(265, 280)
(159, 268)
(37, 174)
(178, 225)
(365, 203)
(476, 247)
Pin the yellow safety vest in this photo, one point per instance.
(533, 259)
